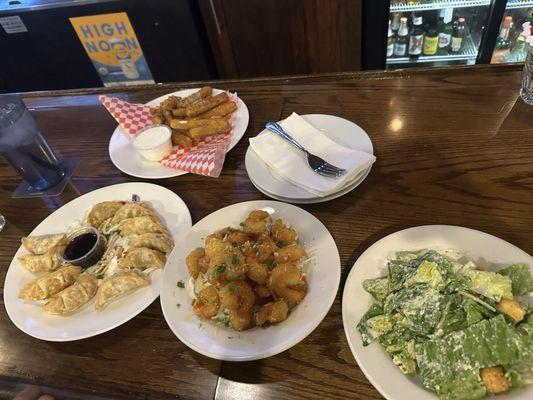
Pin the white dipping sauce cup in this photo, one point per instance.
(154, 142)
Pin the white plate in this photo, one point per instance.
(31, 318)
(338, 129)
(373, 359)
(223, 343)
(128, 160)
(348, 188)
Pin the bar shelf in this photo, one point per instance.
(404, 6)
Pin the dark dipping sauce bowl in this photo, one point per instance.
(85, 247)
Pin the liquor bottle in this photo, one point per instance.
(395, 25)
(518, 54)
(390, 41)
(503, 44)
(400, 46)
(431, 41)
(416, 38)
(459, 32)
(445, 28)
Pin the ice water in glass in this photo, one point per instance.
(24, 147)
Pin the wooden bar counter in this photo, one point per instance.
(453, 146)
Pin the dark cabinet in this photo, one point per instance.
(252, 38)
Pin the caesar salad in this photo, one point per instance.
(467, 332)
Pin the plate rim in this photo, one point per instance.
(175, 172)
(122, 321)
(351, 274)
(285, 346)
(310, 200)
(314, 200)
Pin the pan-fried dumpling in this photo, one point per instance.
(102, 211)
(41, 263)
(70, 299)
(50, 284)
(44, 243)
(130, 210)
(143, 258)
(118, 285)
(156, 241)
(140, 225)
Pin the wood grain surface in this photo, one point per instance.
(262, 38)
(454, 146)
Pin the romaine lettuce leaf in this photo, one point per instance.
(465, 385)
(490, 284)
(400, 345)
(399, 271)
(367, 336)
(381, 323)
(445, 264)
(399, 340)
(427, 272)
(476, 312)
(406, 265)
(421, 305)
(488, 343)
(521, 278)
(526, 326)
(454, 317)
(406, 365)
(455, 283)
(406, 255)
(520, 374)
(378, 288)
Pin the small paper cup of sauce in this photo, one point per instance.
(154, 142)
(85, 247)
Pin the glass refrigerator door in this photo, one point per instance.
(510, 45)
(435, 32)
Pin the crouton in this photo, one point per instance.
(512, 309)
(494, 379)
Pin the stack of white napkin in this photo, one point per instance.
(291, 163)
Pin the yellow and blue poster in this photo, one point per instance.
(111, 44)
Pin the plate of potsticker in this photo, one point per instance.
(192, 114)
(96, 262)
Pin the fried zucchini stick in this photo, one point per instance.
(204, 92)
(179, 112)
(219, 125)
(220, 111)
(169, 103)
(180, 139)
(192, 123)
(207, 104)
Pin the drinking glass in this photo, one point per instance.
(24, 147)
(526, 93)
(2, 222)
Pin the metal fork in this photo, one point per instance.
(318, 165)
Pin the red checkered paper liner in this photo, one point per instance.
(205, 158)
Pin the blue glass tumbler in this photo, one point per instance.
(24, 147)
